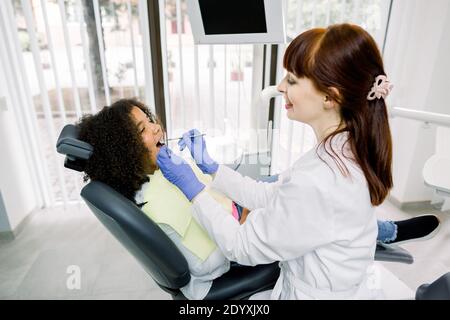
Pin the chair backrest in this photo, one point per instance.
(135, 231)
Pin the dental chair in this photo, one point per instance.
(437, 290)
(151, 247)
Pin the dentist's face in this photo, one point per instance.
(151, 134)
(304, 102)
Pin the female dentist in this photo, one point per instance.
(318, 219)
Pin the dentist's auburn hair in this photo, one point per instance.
(346, 57)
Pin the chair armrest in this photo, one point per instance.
(392, 253)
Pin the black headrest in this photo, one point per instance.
(76, 151)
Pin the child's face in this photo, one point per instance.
(151, 134)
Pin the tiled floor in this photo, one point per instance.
(35, 265)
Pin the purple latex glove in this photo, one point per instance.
(178, 172)
(197, 146)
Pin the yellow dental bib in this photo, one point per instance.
(167, 204)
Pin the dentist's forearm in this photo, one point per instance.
(193, 199)
(243, 190)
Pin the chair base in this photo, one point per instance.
(239, 283)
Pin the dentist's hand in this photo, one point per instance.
(197, 147)
(178, 172)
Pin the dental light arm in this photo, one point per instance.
(269, 93)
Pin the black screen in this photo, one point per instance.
(233, 16)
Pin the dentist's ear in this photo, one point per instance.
(330, 100)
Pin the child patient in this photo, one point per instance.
(126, 138)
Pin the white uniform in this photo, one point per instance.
(203, 272)
(320, 225)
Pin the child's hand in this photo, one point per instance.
(244, 215)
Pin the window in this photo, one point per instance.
(90, 53)
(209, 86)
(292, 139)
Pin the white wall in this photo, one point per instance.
(15, 183)
(4, 221)
(16, 186)
(437, 99)
(417, 45)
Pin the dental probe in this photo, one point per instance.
(198, 135)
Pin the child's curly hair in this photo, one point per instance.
(119, 153)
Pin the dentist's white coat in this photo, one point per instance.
(320, 225)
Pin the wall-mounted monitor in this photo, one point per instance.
(236, 21)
